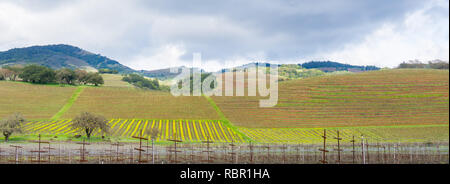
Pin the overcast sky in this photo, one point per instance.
(158, 34)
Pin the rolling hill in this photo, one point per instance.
(407, 105)
(385, 97)
(59, 56)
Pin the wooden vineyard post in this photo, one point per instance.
(438, 153)
(225, 152)
(208, 151)
(339, 147)
(109, 155)
(410, 155)
(1, 156)
(395, 153)
(232, 153)
(251, 152)
(362, 150)
(131, 154)
(59, 153)
(16, 154)
(174, 150)
(378, 152)
(117, 145)
(153, 151)
(389, 153)
(49, 152)
(268, 155)
(368, 152)
(284, 153)
(39, 151)
(140, 150)
(303, 153)
(191, 155)
(83, 151)
(237, 154)
(324, 149)
(147, 152)
(353, 149)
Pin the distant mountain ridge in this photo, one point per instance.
(325, 66)
(331, 66)
(60, 56)
(67, 56)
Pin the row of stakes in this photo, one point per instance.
(46, 149)
(339, 150)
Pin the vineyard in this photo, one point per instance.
(362, 152)
(184, 130)
(33, 101)
(378, 98)
(385, 106)
(216, 131)
(129, 103)
(431, 133)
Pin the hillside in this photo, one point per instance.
(32, 100)
(389, 105)
(59, 56)
(146, 104)
(386, 97)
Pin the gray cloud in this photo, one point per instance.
(156, 34)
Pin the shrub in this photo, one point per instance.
(141, 82)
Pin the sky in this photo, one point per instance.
(159, 34)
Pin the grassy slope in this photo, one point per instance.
(225, 121)
(389, 97)
(69, 104)
(114, 80)
(394, 97)
(33, 101)
(128, 103)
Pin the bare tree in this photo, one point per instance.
(90, 122)
(5, 74)
(13, 71)
(11, 125)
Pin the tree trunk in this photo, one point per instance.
(6, 134)
(88, 133)
(153, 153)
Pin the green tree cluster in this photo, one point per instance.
(43, 75)
(105, 70)
(435, 64)
(293, 71)
(141, 82)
